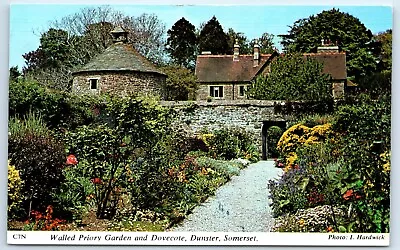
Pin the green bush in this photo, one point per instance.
(232, 144)
(58, 109)
(39, 158)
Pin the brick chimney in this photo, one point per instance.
(327, 47)
(236, 48)
(256, 54)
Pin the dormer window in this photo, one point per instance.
(94, 84)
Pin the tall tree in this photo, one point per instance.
(213, 38)
(53, 52)
(146, 32)
(245, 47)
(182, 43)
(384, 49)
(292, 78)
(265, 42)
(350, 34)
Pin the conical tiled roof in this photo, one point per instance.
(119, 57)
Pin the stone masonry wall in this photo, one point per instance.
(123, 83)
(244, 114)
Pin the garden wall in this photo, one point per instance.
(245, 114)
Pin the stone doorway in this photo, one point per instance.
(264, 131)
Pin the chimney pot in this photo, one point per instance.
(236, 51)
(256, 54)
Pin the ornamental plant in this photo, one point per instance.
(43, 222)
(127, 129)
(14, 189)
(300, 135)
(75, 195)
(39, 158)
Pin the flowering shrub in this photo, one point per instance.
(317, 219)
(288, 193)
(76, 193)
(44, 222)
(39, 158)
(14, 188)
(298, 136)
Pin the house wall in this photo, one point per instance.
(231, 91)
(122, 83)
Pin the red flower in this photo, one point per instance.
(96, 180)
(71, 160)
(350, 193)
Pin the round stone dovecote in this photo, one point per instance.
(120, 70)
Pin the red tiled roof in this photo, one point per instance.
(334, 63)
(222, 68)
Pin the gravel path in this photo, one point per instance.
(241, 205)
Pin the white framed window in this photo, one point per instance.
(94, 84)
(217, 91)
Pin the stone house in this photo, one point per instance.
(226, 77)
(120, 69)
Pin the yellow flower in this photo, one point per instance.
(301, 222)
(386, 167)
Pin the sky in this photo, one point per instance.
(27, 21)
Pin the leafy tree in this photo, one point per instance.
(54, 51)
(292, 77)
(265, 42)
(245, 47)
(182, 43)
(180, 84)
(384, 40)
(14, 73)
(350, 34)
(213, 38)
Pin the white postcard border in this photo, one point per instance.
(196, 238)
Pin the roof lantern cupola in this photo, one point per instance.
(119, 35)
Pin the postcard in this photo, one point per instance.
(199, 125)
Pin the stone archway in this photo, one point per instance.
(264, 132)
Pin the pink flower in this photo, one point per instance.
(71, 160)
